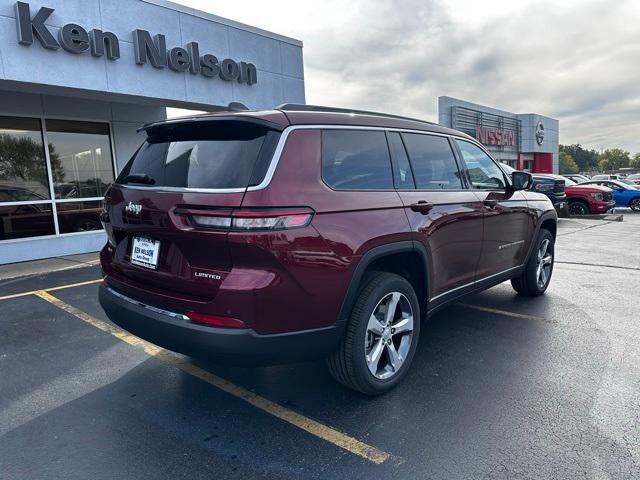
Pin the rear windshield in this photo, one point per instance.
(217, 155)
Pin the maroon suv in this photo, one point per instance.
(263, 237)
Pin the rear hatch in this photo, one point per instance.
(184, 171)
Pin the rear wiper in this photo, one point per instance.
(139, 178)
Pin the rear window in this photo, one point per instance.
(356, 160)
(216, 155)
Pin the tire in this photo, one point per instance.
(578, 207)
(634, 204)
(530, 283)
(354, 361)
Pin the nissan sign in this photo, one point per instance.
(496, 136)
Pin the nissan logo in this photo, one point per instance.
(133, 208)
(539, 133)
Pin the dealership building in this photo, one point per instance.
(526, 141)
(77, 79)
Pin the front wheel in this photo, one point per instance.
(578, 208)
(381, 336)
(635, 204)
(536, 276)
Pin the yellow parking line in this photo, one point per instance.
(52, 289)
(313, 427)
(500, 312)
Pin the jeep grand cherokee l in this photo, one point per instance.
(305, 232)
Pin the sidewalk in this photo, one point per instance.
(37, 267)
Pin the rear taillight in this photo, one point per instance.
(248, 219)
(215, 321)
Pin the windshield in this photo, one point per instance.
(209, 156)
(568, 181)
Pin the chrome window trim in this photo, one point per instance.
(277, 154)
(474, 282)
(161, 311)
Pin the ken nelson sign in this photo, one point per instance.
(75, 39)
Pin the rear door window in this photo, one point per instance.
(356, 160)
(211, 155)
(433, 162)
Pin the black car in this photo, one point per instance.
(553, 187)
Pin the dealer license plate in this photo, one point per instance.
(144, 252)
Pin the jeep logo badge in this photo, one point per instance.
(133, 208)
(539, 133)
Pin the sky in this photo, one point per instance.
(577, 61)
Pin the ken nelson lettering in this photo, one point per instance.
(75, 39)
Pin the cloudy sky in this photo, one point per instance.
(578, 61)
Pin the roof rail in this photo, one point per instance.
(299, 107)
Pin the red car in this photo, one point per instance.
(588, 199)
(305, 232)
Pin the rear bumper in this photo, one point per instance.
(175, 332)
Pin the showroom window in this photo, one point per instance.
(53, 174)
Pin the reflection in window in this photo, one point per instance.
(78, 216)
(483, 171)
(23, 171)
(30, 220)
(83, 166)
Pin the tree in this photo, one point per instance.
(613, 159)
(567, 164)
(586, 160)
(635, 161)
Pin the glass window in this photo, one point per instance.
(433, 162)
(26, 220)
(402, 174)
(78, 216)
(356, 160)
(80, 155)
(484, 172)
(23, 169)
(212, 155)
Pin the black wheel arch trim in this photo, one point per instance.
(548, 215)
(367, 259)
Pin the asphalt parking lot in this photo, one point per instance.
(501, 387)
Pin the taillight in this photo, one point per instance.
(215, 321)
(248, 219)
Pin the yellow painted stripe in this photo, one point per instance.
(313, 427)
(500, 312)
(52, 289)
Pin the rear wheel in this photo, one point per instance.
(381, 336)
(578, 208)
(536, 276)
(635, 204)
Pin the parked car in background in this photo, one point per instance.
(553, 187)
(635, 178)
(577, 178)
(605, 177)
(588, 199)
(625, 195)
(223, 244)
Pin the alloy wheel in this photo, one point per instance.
(544, 263)
(635, 205)
(578, 208)
(389, 335)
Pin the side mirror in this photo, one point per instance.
(521, 180)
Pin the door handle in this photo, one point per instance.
(490, 202)
(422, 207)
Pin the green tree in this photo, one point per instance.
(567, 164)
(585, 159)
(613, 158)
(635, 161)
